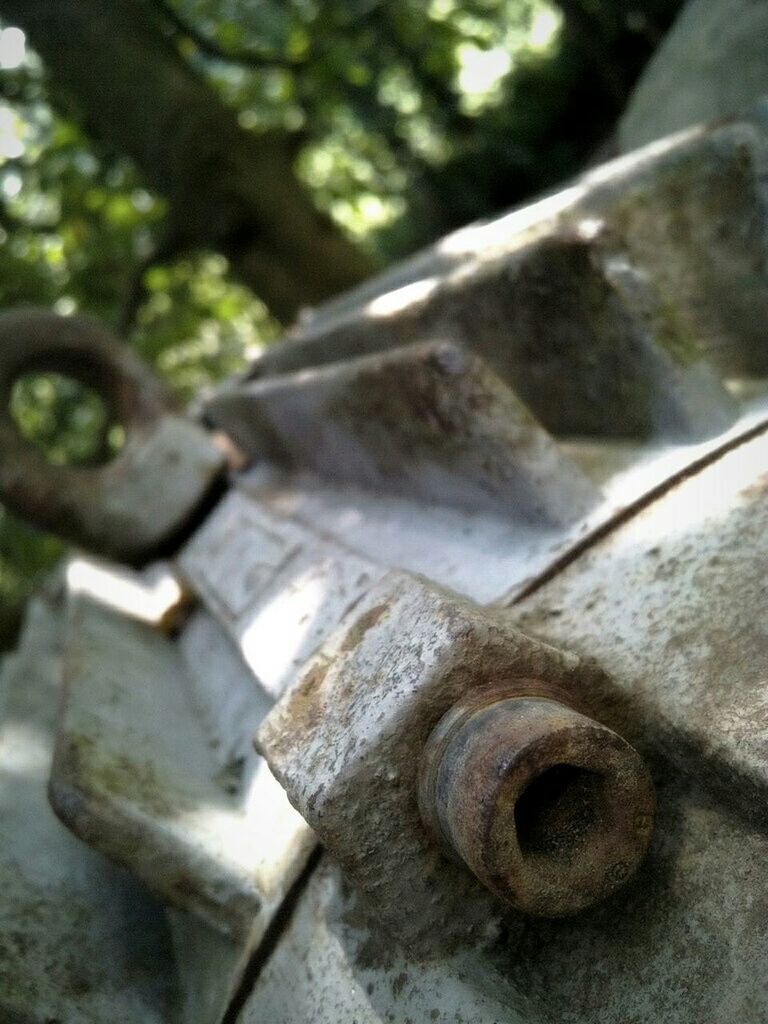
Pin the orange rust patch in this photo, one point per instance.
(361, 626)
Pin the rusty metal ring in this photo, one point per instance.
(551, 810)
(127, 507)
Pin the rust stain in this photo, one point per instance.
(361, 626)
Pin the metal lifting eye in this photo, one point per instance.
(125, 508)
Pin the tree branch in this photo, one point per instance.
(587, 31)
(227, 189)
(212, 49)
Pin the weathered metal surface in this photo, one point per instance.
(683, 943)
(487, 557)
(428, 421)
(139, 776)
(130, 506)
(597, 304)
(331, 967)
(209, 967)
(73, 928)
(552, 811)
(711, 65)
(227, 699)
(598, 308)
(277, 587)
(347, 739)
(673, 603)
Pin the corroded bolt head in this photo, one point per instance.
(551, 810)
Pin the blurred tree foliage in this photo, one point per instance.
(403, 119)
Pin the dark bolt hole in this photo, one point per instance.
(557, 810)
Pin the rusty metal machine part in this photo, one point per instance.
(128, 507)
(551, 810)
(429, 421)
(616, 307)
(134, 773)
(404, 681)
(627, 308)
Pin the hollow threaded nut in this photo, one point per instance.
(551, 810)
